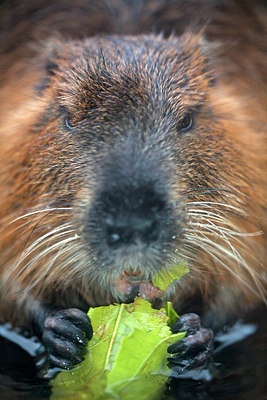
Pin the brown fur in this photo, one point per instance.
(45, 167)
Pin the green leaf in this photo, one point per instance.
(166, 277)
(126, 358)
(171, 314)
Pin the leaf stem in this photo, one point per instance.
(113, 336)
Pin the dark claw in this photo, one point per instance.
(70, 322)
(60, 346)
(202, 339)
(79, 319)
(61, 362)
(188, 323)
(41, 364)
(199, 360)
(59, 326)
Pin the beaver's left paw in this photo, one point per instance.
(195, 350)
(65, 334)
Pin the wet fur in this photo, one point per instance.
(82, 117)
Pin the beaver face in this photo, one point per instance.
(136, 111)
(129, 148)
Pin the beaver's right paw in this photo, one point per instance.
(194, 350)
(65, 336)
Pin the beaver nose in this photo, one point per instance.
(133, 230)
(132, 218)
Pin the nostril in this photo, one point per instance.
(118, 235)
(113, 238)
(151, 232)
(114, 235)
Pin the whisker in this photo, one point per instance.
(46, 210)
(211, 204)
(45, 253)
(41, 242)
(207, 190)
(210, 250)
(228, 231)
(47, 269)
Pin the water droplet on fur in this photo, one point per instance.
(173, 237)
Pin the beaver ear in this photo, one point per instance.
(202, 51)
(51, 50)
(51, 67)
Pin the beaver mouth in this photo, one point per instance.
(134, 276)
(133, 283)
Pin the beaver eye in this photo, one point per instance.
(67, 122)
(186, 123)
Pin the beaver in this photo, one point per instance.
(132, 139)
